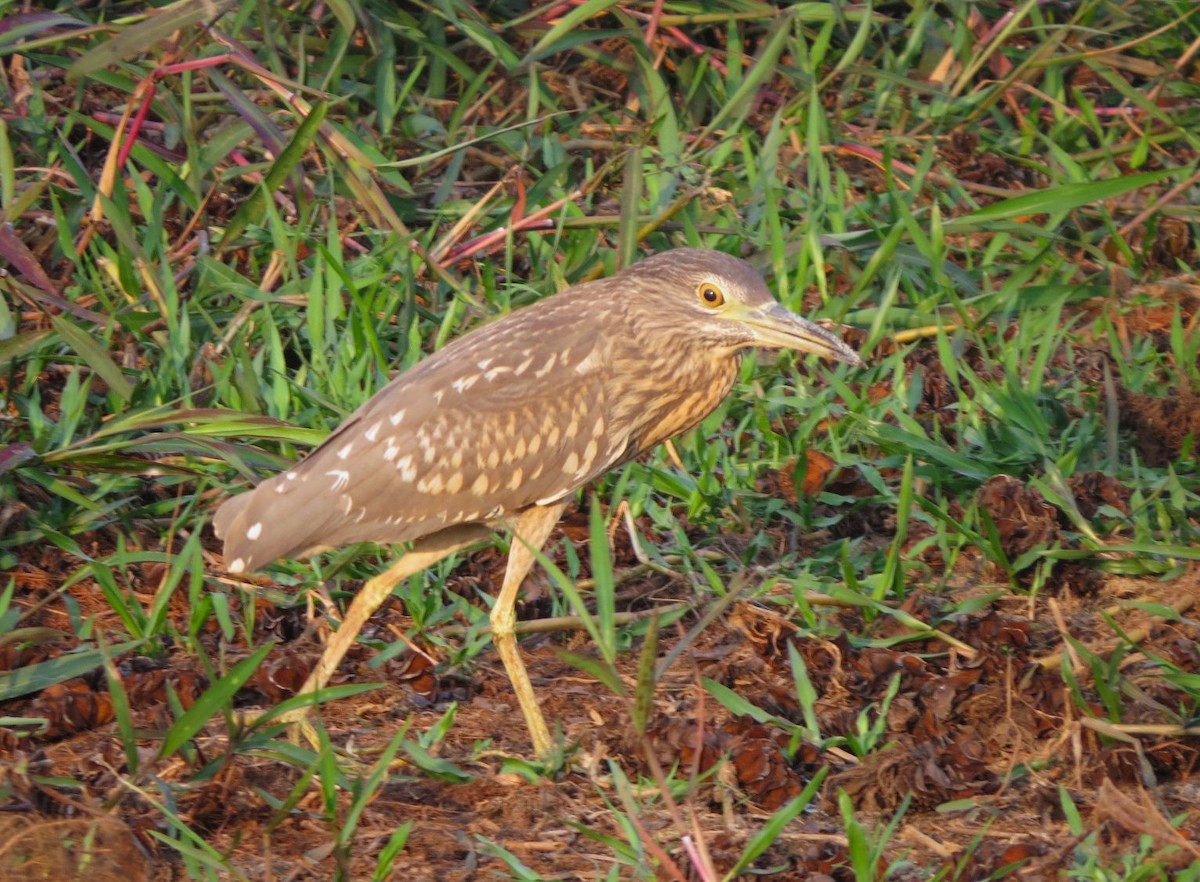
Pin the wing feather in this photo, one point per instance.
(490, 425)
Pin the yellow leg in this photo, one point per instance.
(424, 553)
(530, 531)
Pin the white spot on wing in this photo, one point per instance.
(522, 367)
(462, 384)
(432, 485)
(395, 418)
(341, 478)
(254, 532)
(345, 451)
(405, 467)
(592, 361)
(372, 433)
(237, 566)
(485, 363)
(547, 367)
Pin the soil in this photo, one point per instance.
(979, 739)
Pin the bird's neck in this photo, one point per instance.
(681, 391)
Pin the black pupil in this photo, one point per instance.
(710, 295)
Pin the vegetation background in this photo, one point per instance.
(928, 620)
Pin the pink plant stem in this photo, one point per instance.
(135, 127)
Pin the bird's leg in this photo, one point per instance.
(530, 530)
(424, 553)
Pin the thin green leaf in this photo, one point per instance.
(603, 672)
(252, 209)
(36, 677)
(158, 24)
(1055, 200)
(215, 698)
(566, 27)
(94, 355)
(643, 698)
(765, 837)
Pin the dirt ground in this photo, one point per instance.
(982, 736)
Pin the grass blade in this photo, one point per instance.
(215, 699)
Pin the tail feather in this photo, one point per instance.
(249, 542)
(281, 517)
(227, 515)
(230, 523)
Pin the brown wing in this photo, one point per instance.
(513, 414)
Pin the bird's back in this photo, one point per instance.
(514, 413)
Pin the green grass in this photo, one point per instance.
(998, 198)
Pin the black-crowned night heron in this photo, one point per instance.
(501, 427)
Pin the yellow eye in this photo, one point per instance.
(710, 295)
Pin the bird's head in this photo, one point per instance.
(724, 301)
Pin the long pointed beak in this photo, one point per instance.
(779, 328)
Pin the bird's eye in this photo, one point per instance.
(710, 295)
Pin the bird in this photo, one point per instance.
(501, 427)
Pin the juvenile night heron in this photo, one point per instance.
(501, 427)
